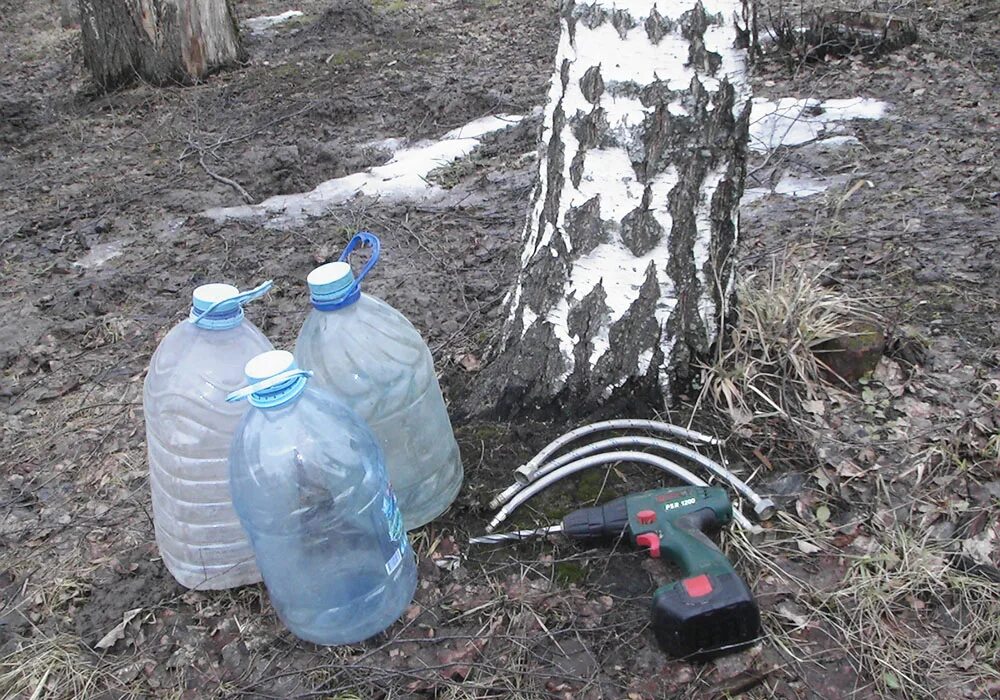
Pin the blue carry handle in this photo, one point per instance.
(353, 292)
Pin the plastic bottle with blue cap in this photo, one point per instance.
(311, 489)
(189, 430)
(370, 356)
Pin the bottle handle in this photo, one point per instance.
(268, 383)
(353, 292)
(241, 299)
(363, 238)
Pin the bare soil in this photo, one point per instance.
(101, 243)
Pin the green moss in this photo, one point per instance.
(567, 572)
(389, 6)
(490, 433)
(346, 57)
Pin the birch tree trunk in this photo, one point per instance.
(627, 259)
(159, 41)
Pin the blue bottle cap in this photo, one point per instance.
(330, 282)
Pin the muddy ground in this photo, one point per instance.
(882, 563)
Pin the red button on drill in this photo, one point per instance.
(697, 586)
(650, 540)
(646, 517)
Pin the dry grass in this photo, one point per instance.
(57, 667)
(916, 625)
(767, 367)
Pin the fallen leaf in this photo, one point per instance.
(807, 547)
(118, 631)
(822, 515)
(803, 505)
(965, 662)
(982, 547)
(816, 407)
(791, 612)
(849, 470)
(470, 363)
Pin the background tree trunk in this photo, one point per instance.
(68, 12)
(627, 265)
(159, 41)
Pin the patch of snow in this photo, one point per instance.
(403, 178)
(99, 254)
(804, 187)
(835, 141)
(256, 25)
(793, 186)
(790, 121)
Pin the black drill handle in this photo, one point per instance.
(599, 522)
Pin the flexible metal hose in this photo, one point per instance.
(552, 477)
(617, 424)
(524, 474)
(764, 507)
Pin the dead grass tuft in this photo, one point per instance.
(57, 667)
(918, 626)
(767, 367)
(812, 36)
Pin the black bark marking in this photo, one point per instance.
(555, 160)
(622, 22)
(589, 128)
(590, 16)
(529, 375)
(657, 141)
(584, 226)
(592, 85)
(585, 321)
(693, 25)
(640, 231)
(657, 26)
(637, 331)
(576, 167)
(544, 276)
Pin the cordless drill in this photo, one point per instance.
(710, 611)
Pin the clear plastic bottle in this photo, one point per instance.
(371, 357)
(311, 489)
(189, 429)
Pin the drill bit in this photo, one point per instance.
(517, 535)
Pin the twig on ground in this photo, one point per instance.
(247, 197)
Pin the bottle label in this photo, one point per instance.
(397, 533)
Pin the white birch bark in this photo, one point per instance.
(626, 262)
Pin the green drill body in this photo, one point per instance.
(710, 610)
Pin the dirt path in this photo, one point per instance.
(101, 243)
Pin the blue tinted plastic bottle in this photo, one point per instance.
(311, 490)
(368, 355)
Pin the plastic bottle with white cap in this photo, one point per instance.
(371, 357)
(311, 490)
(189, 430)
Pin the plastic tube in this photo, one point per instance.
(763, 507)
(552, 477)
